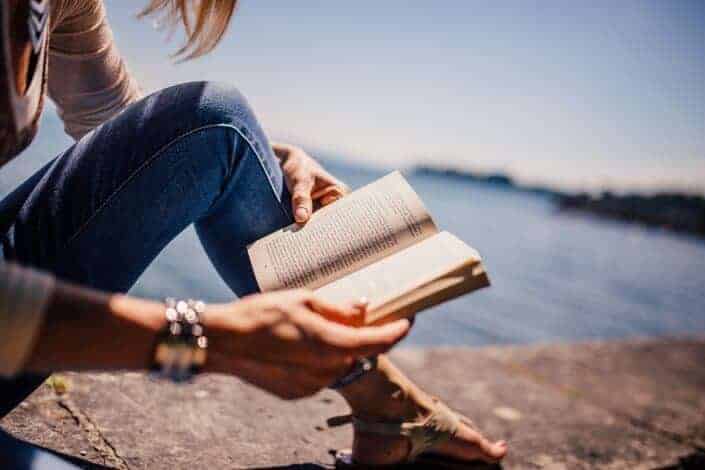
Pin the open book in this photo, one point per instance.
(378, 242)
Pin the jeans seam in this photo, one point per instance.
(156, 155)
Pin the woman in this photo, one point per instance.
(93, 218)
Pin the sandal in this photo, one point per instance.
(441, 425)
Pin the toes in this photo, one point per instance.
(484, 449)
(469, 444)
(493, 451)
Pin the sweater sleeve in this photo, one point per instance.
(88, 79)
(24, 293)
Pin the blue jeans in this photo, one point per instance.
(99, 213)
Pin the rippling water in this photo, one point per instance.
(556, 276)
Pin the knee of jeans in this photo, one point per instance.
(222, 103)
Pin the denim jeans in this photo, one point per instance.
(99, 213)
(19, 455)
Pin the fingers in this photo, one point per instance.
(308, 181)
(328, 188)
(301, 202)
(361, 341)
(352, 314)
(364, 341)
(374, 340)
(330, 191)
(331, 197)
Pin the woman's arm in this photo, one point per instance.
(289, 343)
(86, 329)
(88, 79)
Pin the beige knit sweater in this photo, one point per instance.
(89, 82)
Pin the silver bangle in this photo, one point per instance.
(180, 350)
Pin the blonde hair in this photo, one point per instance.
(205, 22)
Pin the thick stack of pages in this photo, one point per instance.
(378, 242)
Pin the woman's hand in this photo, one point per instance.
(292, 343)
(307, 181)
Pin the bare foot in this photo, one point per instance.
(387, 395)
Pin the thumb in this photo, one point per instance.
(301, 203)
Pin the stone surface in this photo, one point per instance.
(657, 385)
(634, 404)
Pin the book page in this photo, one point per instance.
(427, 273)
(373, 222)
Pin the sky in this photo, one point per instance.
(597, 94)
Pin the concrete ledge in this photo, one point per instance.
(630, 404)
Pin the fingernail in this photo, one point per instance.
(301, 214)
(502, 443)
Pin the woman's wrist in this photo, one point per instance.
(145, 319)
(218, 318)
(233, 318)
(146, 314)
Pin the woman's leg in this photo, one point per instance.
(15, 453)
(193, 153)
(103, 210)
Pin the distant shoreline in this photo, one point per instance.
(672, 211)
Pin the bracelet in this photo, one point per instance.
(180, 350)
(362, 366)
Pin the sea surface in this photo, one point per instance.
(556, 276)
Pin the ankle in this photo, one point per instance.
(385, 394)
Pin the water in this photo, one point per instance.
(555, 276)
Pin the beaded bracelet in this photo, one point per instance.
(180, 350)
